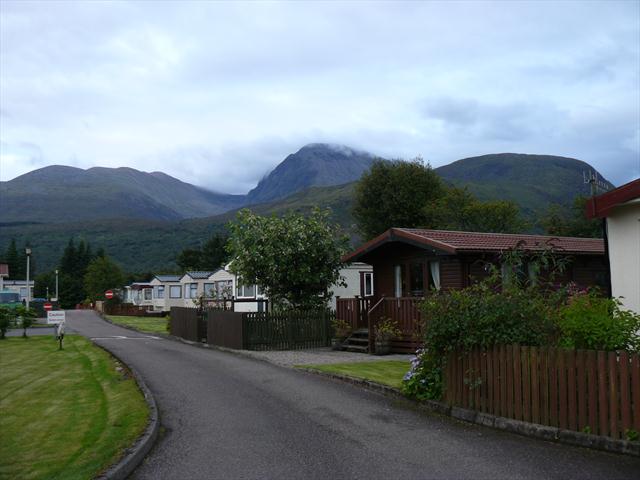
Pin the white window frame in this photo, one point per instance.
(172, 290)
(159, 291)
(147, 294)
(241, 291)
(193, 292)
(364, 287)
(209, 290)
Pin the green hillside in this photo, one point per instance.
(532, 181)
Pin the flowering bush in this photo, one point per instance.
(386, 329)
(423, 381)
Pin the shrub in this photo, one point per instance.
(478, 316)
(386, 329)
(590, 321)
(341, 328)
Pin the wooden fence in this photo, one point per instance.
(406, 312)
(224, 328)
(353, 311)
(286, 330)
(187, 323)
(582, 390)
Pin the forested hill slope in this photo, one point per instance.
(532, 181)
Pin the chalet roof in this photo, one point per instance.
(4, 269)
(453, 243)
(169, 278)
(601, 206)
(200, 275)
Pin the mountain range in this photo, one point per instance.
(144, 219)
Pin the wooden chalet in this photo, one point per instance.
(409, 263)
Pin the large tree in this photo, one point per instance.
(394, 194)
(212, 255)
(294, 259)
(459, 210)
(571, 222)
(102, 275)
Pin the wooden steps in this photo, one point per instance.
(358, 341)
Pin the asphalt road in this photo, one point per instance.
(231, 417)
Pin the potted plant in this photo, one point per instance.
(341, 330)
(385, 330)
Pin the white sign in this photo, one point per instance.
(55, 316)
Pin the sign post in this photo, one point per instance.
(57, 318)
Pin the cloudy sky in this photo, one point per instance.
(218, 93)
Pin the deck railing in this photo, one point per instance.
(405, 311)
(353, 311)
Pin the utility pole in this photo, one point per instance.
(28, 252)
(57, 299)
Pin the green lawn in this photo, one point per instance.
(144, 324)
(387, 372)
(64, 414)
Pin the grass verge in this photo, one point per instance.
(66, 414)
(144, 324)
(387, 372)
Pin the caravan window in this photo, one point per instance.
(368, 284)
(209, 290)
(175, 291)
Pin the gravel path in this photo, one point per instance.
(318, 356)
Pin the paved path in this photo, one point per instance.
(231, 417)
(318, 356)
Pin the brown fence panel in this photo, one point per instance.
(603, 405)
(635, 390)
(579, 390)
(613, 394)
(186, 323)
(224, 328)
(592, 394)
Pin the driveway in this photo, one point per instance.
(231, 417)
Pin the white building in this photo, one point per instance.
(140, 294)
(167, 292)
(19, 287)
(621, 209)
(359, 279)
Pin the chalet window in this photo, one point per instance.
(194, 290)
(209, 290)
(368, 284)
(416, 279)
(224, 289)
(434, 275)
(147, 293)
(175, 291)
(246, 291)
(159, 291)
(23, 292)
(399, 283)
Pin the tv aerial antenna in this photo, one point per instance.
(595, 183)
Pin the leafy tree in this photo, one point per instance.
(214, 254)
(294, 259)
(42, 282)
(189, 259)
(7, 314)
(102, 274)
(459, 210)
(573, 222)
(73, 267)
(26, 315)
(394, 194)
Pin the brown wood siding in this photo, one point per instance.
(460, 271)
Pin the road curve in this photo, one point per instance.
(230, 417)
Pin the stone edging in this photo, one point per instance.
(543, 432)
(135, 454)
